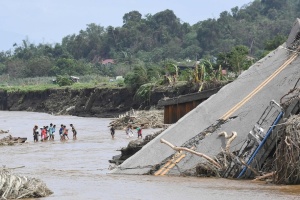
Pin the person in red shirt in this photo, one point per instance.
(65, 133)
(139, 131)
(44, 134)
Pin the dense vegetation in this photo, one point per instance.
(144, 46)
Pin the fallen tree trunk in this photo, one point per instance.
(191, 151)
(264, 176)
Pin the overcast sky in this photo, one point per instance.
(48, 21)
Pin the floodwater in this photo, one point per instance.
(80, 169)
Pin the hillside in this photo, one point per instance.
(150, 41)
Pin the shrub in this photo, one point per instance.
(136, 78)
(64, 80)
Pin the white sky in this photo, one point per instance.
(48, 21)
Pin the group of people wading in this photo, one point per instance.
(47, 132)
(128, 131)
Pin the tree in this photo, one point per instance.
(203, 70)
(16, 68)
(136, 78)
(65, 66)
(277, 4)
(127, 58)
(38, 67)
(132, 17)
(207, 34)
(191, 52)
(275, 42)
(237, 58)
(154, 73)
(2, 69)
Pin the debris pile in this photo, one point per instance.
(287, 162)
(17, 187)
(3, 131)
(133, 147)
(282, 167)
(150, 119)
(9, 140)
(213, 166)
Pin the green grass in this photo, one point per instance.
(44, 83)
(27, 88)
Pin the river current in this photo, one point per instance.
(79, 169)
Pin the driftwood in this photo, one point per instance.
(230, 154)
(17, 187)
(3, 131)
(191, 151)
(249, 167)
(268, 175)
(227, 155)
(227, 147)
(229, 141)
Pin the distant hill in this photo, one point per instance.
(152, 40)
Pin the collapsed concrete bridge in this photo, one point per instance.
(236, 107)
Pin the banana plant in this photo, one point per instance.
(203, 72)
(172, 68)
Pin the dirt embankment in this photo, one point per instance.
(95, 102)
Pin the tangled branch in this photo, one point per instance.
(191, 151)
(17, 187)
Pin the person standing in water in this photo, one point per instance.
(51, 132)
(139, 131)
(54, 129)
(41, 130)
(35, 133)
(74, 132)
(129, 132)
(65, 133)
(44, 133)
(61, 131)
(112, 131)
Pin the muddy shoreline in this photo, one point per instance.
(89, 102)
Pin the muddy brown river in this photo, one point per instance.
(80, 170)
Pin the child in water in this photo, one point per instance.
(74, 132)
(129, 132)
(139, 131)
(112, 131)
